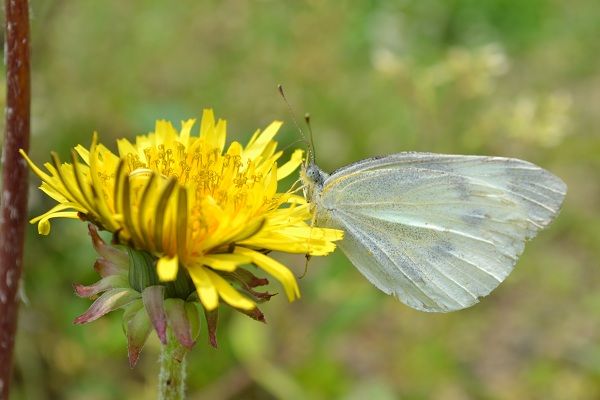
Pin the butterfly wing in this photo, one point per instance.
(438, 231)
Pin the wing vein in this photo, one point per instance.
(459, 257)
(448, 295)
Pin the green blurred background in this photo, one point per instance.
(497, 77)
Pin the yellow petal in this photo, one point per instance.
(207, 124)
(82, 173)
(271, 183)
(167, 268)
(313, 233)
(97, 160)
(292, 245)
(261, 141)
(290, 166)
(220, 134)
(125, 147)
(50, 191)
(274, 268)
(295, 199)
(67, 177)
(253, 138)
(207, 291)
(44, 224)
(43, 176)
(181, 220)
(268, 134)
(145, 222)
(229, 294)
(224, 262)
(44, 227)
(235, 149)
(165, 133)
(268, 153)
(184, 134)
(55, 209)
(83, 153)
(161, 216)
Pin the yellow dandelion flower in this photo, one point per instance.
(190, 202)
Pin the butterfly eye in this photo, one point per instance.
(315, 175)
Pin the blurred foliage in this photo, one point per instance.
(498, 77)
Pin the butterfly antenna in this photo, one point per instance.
(295, 142)
(312, 157)
(312, 154)
(293, 115)
(309, 160)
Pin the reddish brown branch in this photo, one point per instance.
(13, 198)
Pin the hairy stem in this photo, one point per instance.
(171, 379)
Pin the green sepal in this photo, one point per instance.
(137, 327)
(181, 287)
(142, 270)
(153, 298)
(183, 320)
(193, 315)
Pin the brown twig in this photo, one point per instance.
(13, 199)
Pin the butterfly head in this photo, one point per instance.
(312, 178)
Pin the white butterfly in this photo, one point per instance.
(437, 231)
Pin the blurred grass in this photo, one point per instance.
(499, 77)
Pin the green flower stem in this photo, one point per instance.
(171, 379)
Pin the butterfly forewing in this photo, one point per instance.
(438, 231)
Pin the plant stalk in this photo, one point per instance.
(172, 375)
(13, 199)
